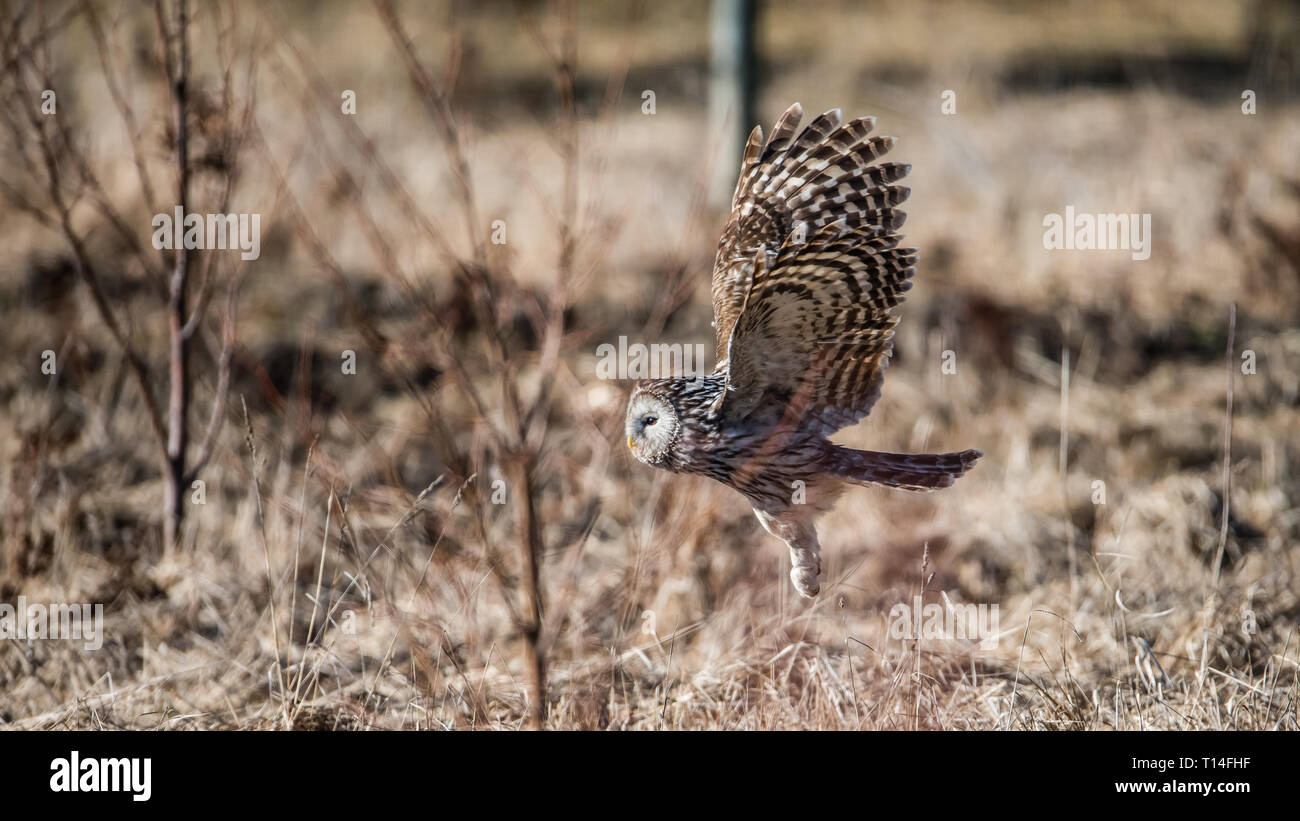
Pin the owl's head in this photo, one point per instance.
(652, 426)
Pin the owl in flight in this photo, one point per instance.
(807, 273)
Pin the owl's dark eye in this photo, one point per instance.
(649, 420)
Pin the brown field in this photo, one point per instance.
(455, 537)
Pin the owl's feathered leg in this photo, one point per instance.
(796, 529)
(909, 471)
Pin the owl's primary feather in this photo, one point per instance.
(807, 273)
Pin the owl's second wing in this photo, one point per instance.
(808, 270)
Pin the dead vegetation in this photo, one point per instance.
(451, 536)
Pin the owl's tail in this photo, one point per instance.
(909, 471)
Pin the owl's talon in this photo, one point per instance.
(805, 581)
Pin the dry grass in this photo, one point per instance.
(350, 568)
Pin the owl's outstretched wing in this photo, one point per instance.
(808, 270)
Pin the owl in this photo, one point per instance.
(807, 275)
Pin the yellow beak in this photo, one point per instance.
(629, 443)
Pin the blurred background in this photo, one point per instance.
(413, 508)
